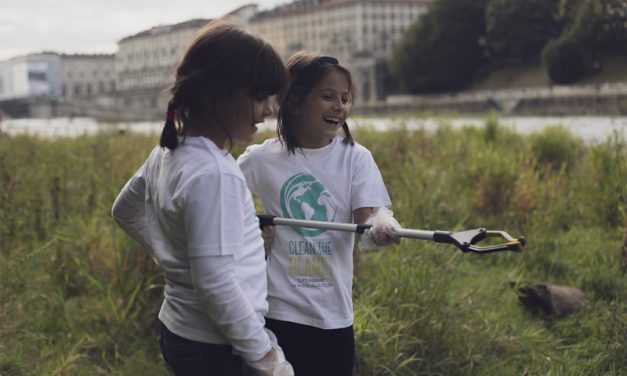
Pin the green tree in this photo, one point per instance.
(564, 60)
(592, 29)
(600, 25)
(613, 33)
(443, 50)
(517, 30)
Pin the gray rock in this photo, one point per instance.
(551, 300)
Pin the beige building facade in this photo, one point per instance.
(87, 76)
(360, 33)
(145, 63)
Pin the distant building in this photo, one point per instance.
(51, 84)
(57, 77)
(360, 33)
(145, 63)
(87, 76)
(35, 75)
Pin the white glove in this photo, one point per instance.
(382, 232)
(273, 364)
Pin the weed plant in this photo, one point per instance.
(78, 297)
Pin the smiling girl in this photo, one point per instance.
(311, 172)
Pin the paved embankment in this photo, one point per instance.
(606, 99)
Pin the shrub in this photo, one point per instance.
(564, 60)
(555, 147)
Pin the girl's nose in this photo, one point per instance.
(337, 104)
(268, 108)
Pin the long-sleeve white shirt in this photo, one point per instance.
(191, 209)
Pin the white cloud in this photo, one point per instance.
(91, 26)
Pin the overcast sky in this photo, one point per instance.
(92, 26)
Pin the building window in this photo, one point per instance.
(37, 76)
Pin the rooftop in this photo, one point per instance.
(299, 6)
(164, 29)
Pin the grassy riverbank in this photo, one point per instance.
(78, 297)
(614, 70)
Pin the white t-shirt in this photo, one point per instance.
(192, 210)
(310, 271)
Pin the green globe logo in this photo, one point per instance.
(303, 197)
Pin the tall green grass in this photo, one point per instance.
(78, 297)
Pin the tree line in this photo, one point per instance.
(456, 40)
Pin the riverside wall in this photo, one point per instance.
(606, 99)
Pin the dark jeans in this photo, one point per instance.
(190, 358)
(313, 351)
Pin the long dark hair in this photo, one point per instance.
(221, 60)
(306, 69)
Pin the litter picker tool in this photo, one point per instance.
(464, 240)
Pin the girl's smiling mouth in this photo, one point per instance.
(332, 120)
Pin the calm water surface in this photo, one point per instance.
(589, 128)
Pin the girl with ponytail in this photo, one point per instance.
(314, 170)
(189, 207)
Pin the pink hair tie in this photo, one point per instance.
(170, 115)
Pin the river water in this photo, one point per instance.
(592, 129)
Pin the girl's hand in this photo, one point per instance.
(272, 364)
(382, 232)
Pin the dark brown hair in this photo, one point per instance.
(306, 69)
(221, 60)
